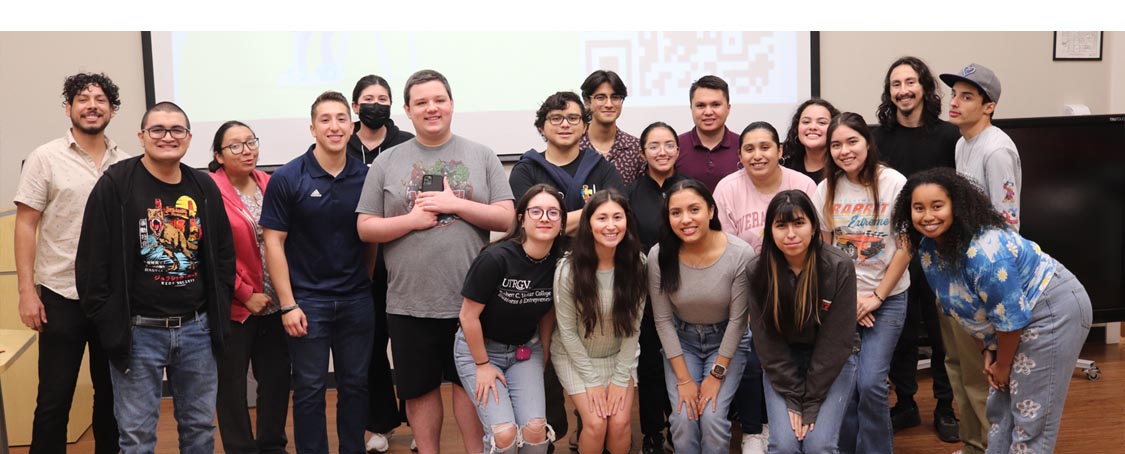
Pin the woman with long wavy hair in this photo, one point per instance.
(599, 298)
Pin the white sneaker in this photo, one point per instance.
(413, 445)
(378, 443)
(756, 443)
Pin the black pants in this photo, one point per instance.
(61, 345)
(652, 393)
(259, 341)
(384, 412)
(556, 402)
(921, 310)
(750, 400)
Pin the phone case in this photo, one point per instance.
(523, 353)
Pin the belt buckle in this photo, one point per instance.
(168, 322)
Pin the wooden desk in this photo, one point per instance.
(13, 342)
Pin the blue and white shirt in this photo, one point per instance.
(998, 285)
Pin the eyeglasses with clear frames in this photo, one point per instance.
(602, 98)
(236, 148)
(557, 119)
(535, 213)
(667, 146)
(158, 132)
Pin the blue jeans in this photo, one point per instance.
(185, 354)
(344, 328)
(867, 426)
(520, 402)
(824, 436)
(700, 345)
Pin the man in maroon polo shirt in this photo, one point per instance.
(709, 151)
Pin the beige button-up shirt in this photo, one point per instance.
(56, 180)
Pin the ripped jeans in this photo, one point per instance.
(521, 402)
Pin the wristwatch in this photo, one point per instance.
(287, 309)
(718, 371)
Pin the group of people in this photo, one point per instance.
(711, 276)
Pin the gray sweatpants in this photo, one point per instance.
(1025, 420)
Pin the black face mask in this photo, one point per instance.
(374, 115)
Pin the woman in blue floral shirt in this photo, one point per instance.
(1029, 313)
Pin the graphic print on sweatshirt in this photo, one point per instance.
(456, 174)
(169, 242)
(855, 233)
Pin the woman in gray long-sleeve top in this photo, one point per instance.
(802, 313)
(698, 286)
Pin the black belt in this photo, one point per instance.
(164, 322)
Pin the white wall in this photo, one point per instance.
(33, 66)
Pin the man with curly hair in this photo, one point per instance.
(54, 184)
(912, 137)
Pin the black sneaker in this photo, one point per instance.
(948, 429)
(905, 416)
(653, 444)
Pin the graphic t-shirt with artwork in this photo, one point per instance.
(166, 275)
(869, 242)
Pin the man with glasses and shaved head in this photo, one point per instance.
(155, 272)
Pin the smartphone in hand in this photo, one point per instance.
(432, 183)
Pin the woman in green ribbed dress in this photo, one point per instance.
(599, 296)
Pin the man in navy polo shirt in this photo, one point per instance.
(322, 273)
(709, 151)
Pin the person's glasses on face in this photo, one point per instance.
(655, 147)
(237, 148)
(553, 214)
(158, 132)
(557, 119)
(602, 98)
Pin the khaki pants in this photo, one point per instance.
(965, 365)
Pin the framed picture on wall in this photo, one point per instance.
(1077, 46)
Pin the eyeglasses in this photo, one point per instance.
(553, 214)
(558, 119)
(602, 98)
(667, 146)
(158, 132)
(236, 148)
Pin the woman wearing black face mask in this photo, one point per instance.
(374, 132)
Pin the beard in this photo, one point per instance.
(91, 130)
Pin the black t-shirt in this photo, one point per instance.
(647, 200)
(912, 150)
(166, 279)
(796, 161)
(515, 290)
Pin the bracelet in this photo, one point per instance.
(287, 309)
(876, 293)
(481, 364)
(683, 382)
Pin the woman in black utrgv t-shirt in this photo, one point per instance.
(506, 323)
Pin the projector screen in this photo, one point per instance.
(269, 79)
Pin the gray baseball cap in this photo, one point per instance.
(980, 76)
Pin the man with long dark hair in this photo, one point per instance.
(912, 137)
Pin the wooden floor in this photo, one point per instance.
(1093, 422)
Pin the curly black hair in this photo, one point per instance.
(77, 83)
(793, 146)
(558, 101)
(887, 112)
(972, 213)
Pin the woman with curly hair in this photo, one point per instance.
(806, 143)
(1030, 314)
(599, 300)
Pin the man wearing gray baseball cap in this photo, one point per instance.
(986, 155)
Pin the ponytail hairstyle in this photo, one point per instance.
(630, 276)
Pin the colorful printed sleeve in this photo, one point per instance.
(1000, 287)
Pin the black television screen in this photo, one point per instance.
(1072, 198)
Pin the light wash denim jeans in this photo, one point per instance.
(867, 424)
(826, 431)
(185, 354)
(345, 328)
(700, 345)
(1025, 419)
(521, 401)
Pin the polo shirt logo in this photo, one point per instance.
(315, 193)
